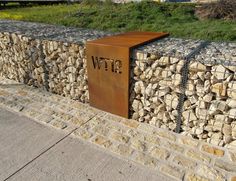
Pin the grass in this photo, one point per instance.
(176, 18)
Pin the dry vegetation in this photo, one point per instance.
(222, 9)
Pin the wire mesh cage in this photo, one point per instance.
(194, 95)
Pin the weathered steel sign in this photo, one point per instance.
(108, 61)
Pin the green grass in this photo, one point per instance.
(177, 19)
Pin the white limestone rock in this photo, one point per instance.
(173, 60)
(187, 104)
(227, 130)
(189, 115)
(193, 99)
(232, 145)
(141, 113)
(233, 126)
(149, 91)
(231, 103)
(71, 78)
(156, 101)
(202, 114)
(136, 105)
(231, 90)
(166, 83)
(176, 79)
(172, 68)
(208, 97)
(201, 75)
(180, 66)
(202, 104)
(163, 61)
(232, 68)
(197, 67)
(139, 87)
(171, 101)
(232, 113)
(166, 73)
(220, 89)
(137, 71)
(216, 138)
(199, 131)
(217, 106)
(220, 72)
(190, 88)
(158, 72)
(218, 125)
(148, 73)
(154, 121)
(163, 91)
(221, 118)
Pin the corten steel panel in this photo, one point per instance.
(108, 61)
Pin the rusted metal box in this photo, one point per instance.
(108, 65)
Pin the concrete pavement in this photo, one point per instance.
(31, 151)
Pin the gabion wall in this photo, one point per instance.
(195, 91)
(57, 66)
(181, 85)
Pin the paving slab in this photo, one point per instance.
(73, 159)
(21, 140)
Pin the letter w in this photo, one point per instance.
(96, 62)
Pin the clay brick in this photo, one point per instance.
(58, 124)
(22, 93)
(102, 141)
(123, 150)
(172, 171)
(138, 145)
(153, 139)
(232, 156)
(101, 129)
(3, 93)
(45, 118)
(189, 141)
(83, 134)
(120, 137)
(77, 121)
(184, 162)
(145, 127)
(229, 167)
(160, 153)
(146, 160)
(198, 156)
(213, 150)
(210, 172)
(166, 134)
(130, 123)
(78, 105)
(174, 147)
(194, 177)
(113, 117)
